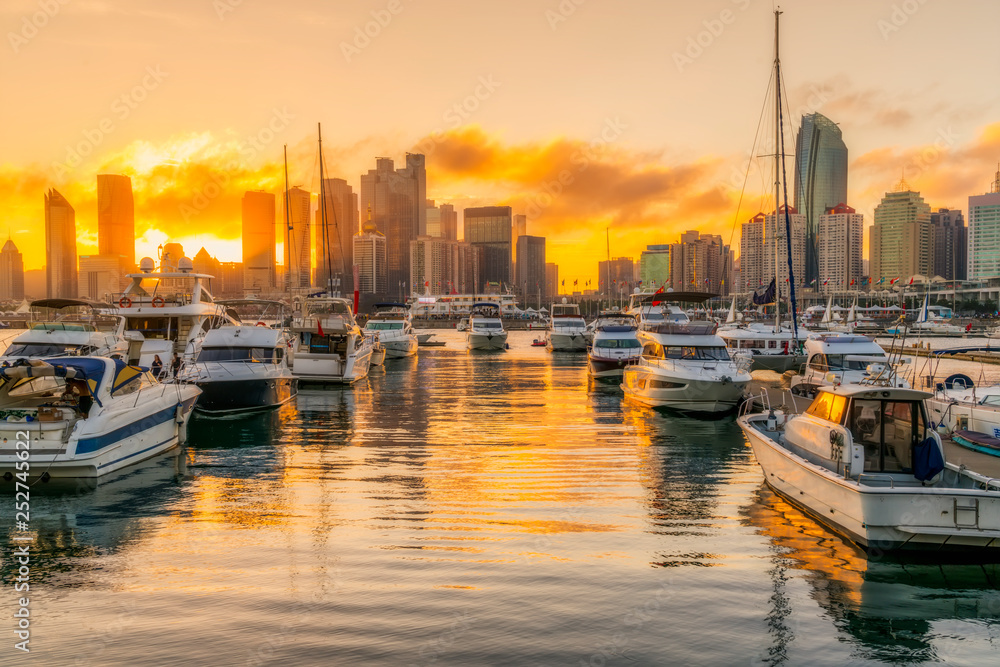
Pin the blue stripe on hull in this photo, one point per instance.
(88, 445)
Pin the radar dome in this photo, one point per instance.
(564, 300)
(184, 265)
(146, 264)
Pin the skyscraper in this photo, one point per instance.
(101, 276)
(777, 235)
(449, 222)
(700, 263)
(820, 180)
(60, 247)
(752, 254)
(490, 228)
(902, 239)
(116, 219)
(433, 220)
(397, 199)
(551, 280)
(11, 272)
(612, 274)
(950, 244)
(840, 245)
(984, 233)
(654, 265)
(341, 227)
(530, 277)
(370, 256)
(298, 245)
(258, 241)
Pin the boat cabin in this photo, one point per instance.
(859, 429)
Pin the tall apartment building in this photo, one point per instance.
(902, 238)
(11, 272)
(820, 181)
(298, 238)
(984, 233)
(259, 241)
(530, 268)
(613, 274)
(840, 249)
(341, 208)
(775, 233)
(116, 219)
(60, 247)
(100, 276)
(370, 256)
(489, 228)
(752, 254)
(950, 244)
(397, 199)
(700, 263)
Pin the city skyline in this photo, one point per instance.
(494, 129)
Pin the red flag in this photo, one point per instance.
(319, 323)
(656, 301)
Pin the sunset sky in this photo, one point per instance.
(651, 107)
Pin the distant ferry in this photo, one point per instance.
(459, 305)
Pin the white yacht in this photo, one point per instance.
(833, 359)
(240, 368)
(926, 325)
(328, 346)
(567, 330)
(686, 366)
(772, 348)
(69, 327)
(615, 345)
(958, 405)
(485, 330)
(391, 321)
(102, 415)
(172, 310)
(863, 461)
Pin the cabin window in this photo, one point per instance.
(617, 342)
(888, 430)
(817, 362)
(654, 351)
(829, 407)
(772, 344)
(151, 327)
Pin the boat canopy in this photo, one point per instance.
(392, 305)
(485, 304)
(66, 303)
(873, 391)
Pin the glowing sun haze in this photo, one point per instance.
(584, 114)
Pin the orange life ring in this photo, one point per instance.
(124, 302)
(261, 324)
(157, 302)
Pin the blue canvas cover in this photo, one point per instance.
(927, 460)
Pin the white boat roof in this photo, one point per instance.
(843, 344)
(872, 391)
(242, 336)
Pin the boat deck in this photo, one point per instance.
(984, 464)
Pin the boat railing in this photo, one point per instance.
(751, 401)
(880, 478)
(212, 369)
(683, 328)
(132, 300)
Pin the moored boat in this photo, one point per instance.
(615, 345)
(328, 346)
(486, 330)
(391, 321)
(567, 330)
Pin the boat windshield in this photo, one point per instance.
(617, 342)
(568, 322)
(488, 324)
(383, 326)
(839, 361)
(257, 354)
(38, 350)
(687, 352)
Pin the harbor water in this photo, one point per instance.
(462, 508)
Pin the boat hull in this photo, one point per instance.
(779, 363)
(682, 393)
(567, 342)
(400, 348)
(609, 368)
(129, 437)
(331, 369)
(244, 395)
(478, 341)
(907, 518)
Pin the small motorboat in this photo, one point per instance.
(979, 442)
(538, 343)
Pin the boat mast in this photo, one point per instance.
(607, 277)
(288, 235)
(322, 214)
(777, 183)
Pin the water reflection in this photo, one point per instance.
(892, 611)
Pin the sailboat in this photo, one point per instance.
(329, 347)
(926, 326)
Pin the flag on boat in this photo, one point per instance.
(656, 301)
(319, 325)
(767, 297)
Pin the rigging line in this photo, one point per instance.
(788, 219)
(750, 159)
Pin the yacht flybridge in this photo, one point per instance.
(70, 327)
(864, 461)
(172, 310)
(328, 344)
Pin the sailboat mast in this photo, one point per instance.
(777, 184)
(288, 233)
(322, 213)
(607, 277)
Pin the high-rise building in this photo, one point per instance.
(840, 249)
(441, 266)
(101, 276)
(397, 199)
(449, 222)
(551, 280)
(700, 263)
(950, 244)
(116, 218)
(60, 247)
(984, 233)
(11, 272)
(775, 233)
(530, 278)
(231, 279)
(614, 276)
(489, 228)
(654, 266)
(752, 254)
(902, 238)
(820, 180)
(298, 246)
(341, 226)
(258, 242)
(433, 220)
(370, 256)
(520, 228)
